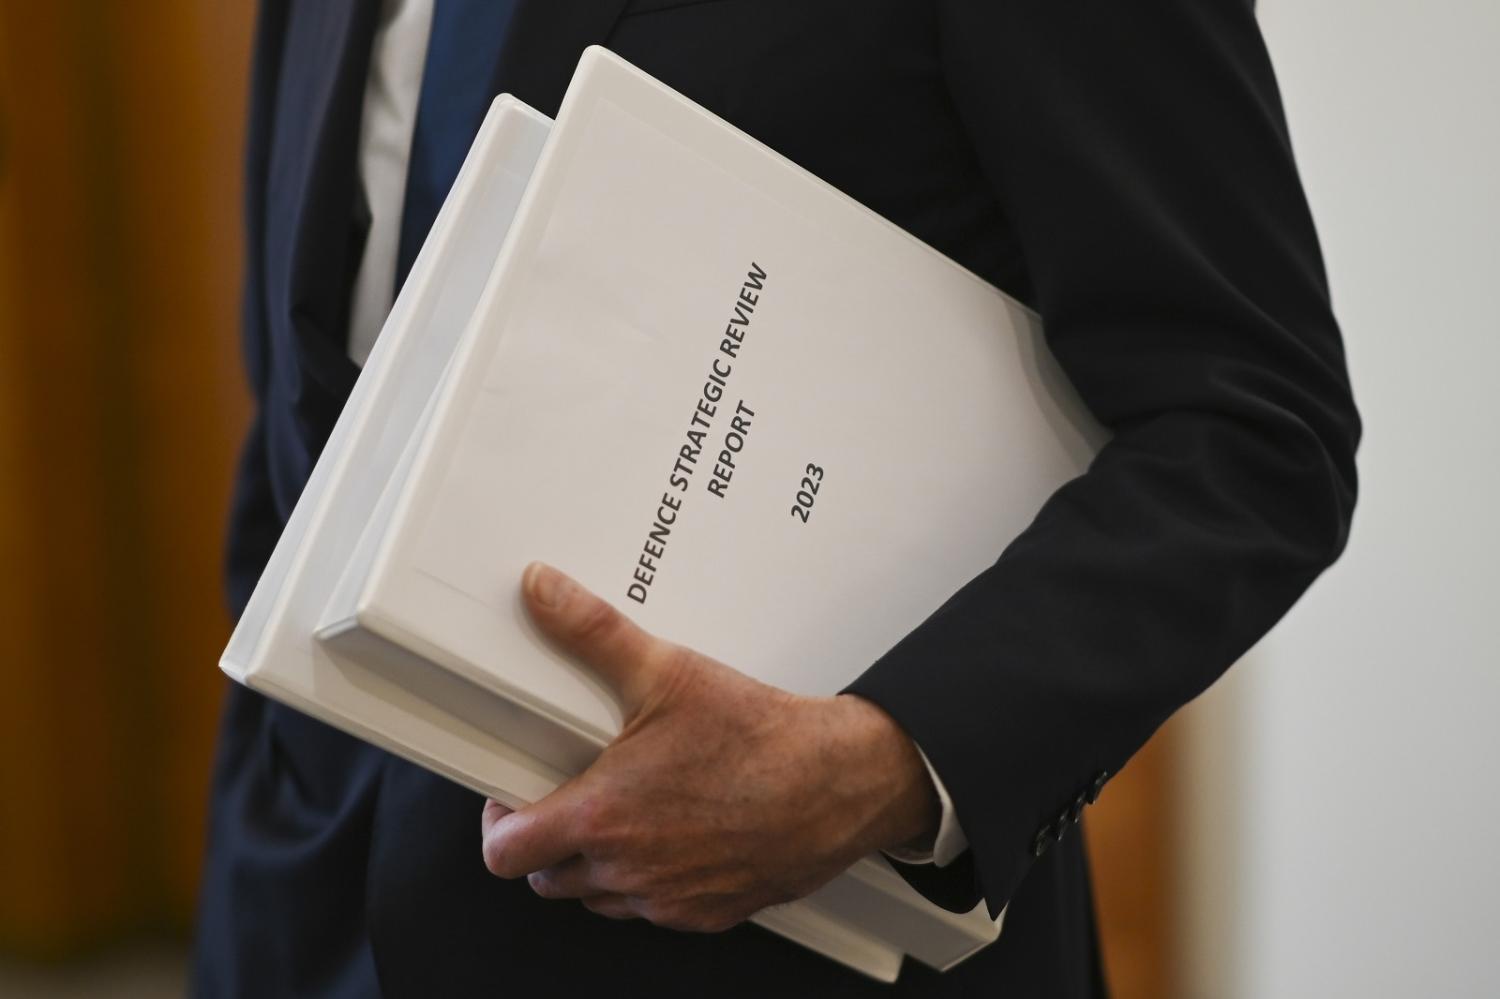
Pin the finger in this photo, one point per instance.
(535, 837)
(493, 812)
(613, 906)
(575, 877)
(592, 630)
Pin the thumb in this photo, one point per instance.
(623, 655)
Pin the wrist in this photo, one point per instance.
(902, 805)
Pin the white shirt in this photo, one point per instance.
(385, 131)
(389, 118)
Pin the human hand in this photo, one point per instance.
(721, 795)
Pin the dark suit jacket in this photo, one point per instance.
(1124, 167)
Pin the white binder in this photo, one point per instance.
(530, 398)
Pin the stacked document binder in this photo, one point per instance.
(756, 417)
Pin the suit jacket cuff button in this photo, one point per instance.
(1043, 841)
(1099, 780)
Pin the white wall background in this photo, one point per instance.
(1344, 834)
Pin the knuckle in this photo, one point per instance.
(594, 821)
(664, 656)
(597, 621)
(672, 663)
(615, 879)
(675, 670)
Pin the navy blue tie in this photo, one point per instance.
(458, 84)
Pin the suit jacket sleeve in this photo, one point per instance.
(1140, 152)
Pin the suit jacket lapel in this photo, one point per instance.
(311, 242)
(543, 45)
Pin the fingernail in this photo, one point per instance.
(545, 584)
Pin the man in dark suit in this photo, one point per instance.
(1126, 169)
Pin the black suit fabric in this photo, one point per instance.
(1126, 169)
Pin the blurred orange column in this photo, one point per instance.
(120, 408)
(1130, 847)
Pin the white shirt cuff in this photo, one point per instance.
(950, 840)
